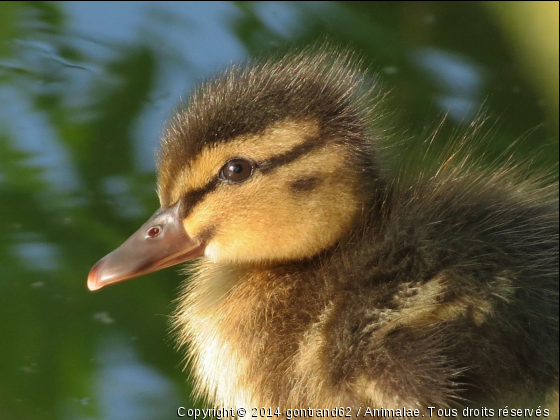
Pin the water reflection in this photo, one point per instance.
(36, 255)
(85, 88)
(126, 388)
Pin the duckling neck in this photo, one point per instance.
(247, 322)
(255, 324)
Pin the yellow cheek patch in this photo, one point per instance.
(264, 219)
(277, 139)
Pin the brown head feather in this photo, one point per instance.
(325, 86)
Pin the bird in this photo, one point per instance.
(324, 277)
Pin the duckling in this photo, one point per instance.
(323, 279)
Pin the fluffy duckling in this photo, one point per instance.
(323, 280)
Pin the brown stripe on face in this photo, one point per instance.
(207, 234)
(298, 151)
(192, 198)
(305, 184)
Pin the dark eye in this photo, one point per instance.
(237, 170)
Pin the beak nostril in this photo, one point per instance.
(153, 232)
(161, 242)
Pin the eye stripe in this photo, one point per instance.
(295, 153)
(192, 198)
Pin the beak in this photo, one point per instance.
(161, 242)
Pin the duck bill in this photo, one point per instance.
(161, 242)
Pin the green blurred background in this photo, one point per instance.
(85, 88)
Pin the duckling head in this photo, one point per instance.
(266, 163)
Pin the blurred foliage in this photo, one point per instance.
(8, 12)
(89, 111)
(532, 30)
(392, 38)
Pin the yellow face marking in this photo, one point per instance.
(276, 140)
(263, 219)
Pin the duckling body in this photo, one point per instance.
(326, 281)
(388, 318)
